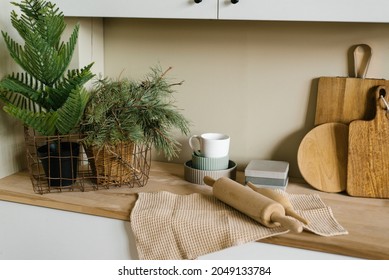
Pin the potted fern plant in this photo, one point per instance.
(123, 115)
(46, 96)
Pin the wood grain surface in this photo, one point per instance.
(343, 100)
(368, 155)
(322, 157)
(366, 219)
(111, 203)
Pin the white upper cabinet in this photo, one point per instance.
(285, 10)
(204, 9)
(306, 10)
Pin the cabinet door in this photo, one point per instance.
(206, 9)
(306, 10)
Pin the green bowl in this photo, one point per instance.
(196, 176)
(206, 163)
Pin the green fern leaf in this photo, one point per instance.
(42, 122)
(44, 97)
(69, 115)
(41, 27)
(22, 84)
(74, 79)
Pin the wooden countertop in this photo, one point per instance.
(366, 219)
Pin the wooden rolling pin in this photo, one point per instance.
(280, 199)
(255, 205)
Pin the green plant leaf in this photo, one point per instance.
(69, 115)
(75, 78)
(129, 110)
(42, 122)
(20, 88)
(46, 96)
(41, 26)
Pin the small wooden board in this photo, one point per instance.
(368, 155)
(322, 157)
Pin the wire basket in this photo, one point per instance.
(62, 163)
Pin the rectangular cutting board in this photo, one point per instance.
(368, 153)
(343, 99)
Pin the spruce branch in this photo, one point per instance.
(140, 111)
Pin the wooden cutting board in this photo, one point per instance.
(322, 157)
(368, 155)
(344, 99)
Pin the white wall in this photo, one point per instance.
(252, 80)
(12, 154)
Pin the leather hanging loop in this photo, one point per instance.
(360, 56)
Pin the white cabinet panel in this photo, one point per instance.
(49, 234)
(285, 10)
(37, 233)
(206, 9)
(306, 10)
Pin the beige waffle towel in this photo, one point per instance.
(320, 217)
(172, 226)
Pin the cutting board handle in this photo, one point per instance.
(360, 56)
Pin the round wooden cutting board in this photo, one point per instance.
(322, 157)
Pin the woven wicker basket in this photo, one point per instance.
(122, 164)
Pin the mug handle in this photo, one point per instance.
(197, 152)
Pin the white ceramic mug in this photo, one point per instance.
(211, 145)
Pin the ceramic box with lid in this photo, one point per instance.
(268, 173)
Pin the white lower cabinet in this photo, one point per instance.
(38, 233)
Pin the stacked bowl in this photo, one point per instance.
(210, 157)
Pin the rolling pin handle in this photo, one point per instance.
(280, 199)
(209, 181)
(293, 226)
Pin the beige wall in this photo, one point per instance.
(251, 80)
